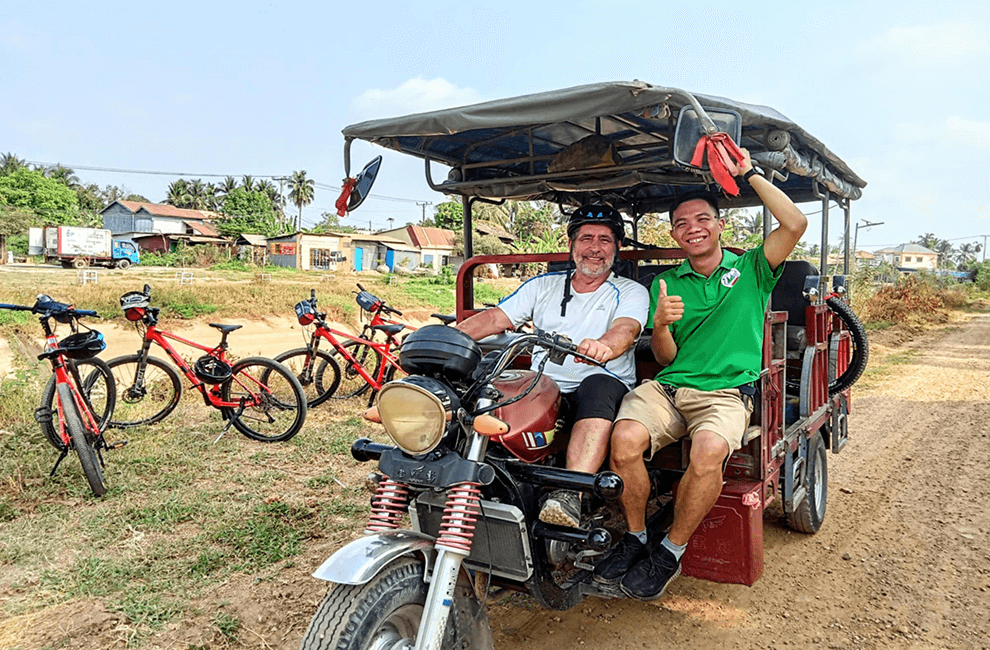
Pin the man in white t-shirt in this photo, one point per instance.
(601, 311)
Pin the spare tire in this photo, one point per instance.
(861, 347)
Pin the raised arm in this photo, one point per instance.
(782, 240)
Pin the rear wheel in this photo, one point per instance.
(317, 373)
(275, 404)
(97, 389)
(147, 400)
(810, 513)
(83, 440)
(387, 610)
(80, 263)
(352, 383)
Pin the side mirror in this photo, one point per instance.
(363, 182)
(689, 130)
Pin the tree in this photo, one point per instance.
(945, 251)
(449, 215)
(249, 212)
(30, 189)
(966, 254)
(301, 192)
(178, 194)
(330, 221)
(136, 197)
(10, 163)
(228, 185)
(247, 182)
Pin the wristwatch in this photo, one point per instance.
(750, 173)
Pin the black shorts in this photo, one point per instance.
(598, 396)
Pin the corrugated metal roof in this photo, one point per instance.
(163, 210)
(431, 237)
(909, 248)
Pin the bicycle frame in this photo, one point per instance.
(211, 393)
(385, 349)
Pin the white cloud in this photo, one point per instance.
(414, 96)
(934, 43)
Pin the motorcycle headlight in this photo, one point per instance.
(415, 412)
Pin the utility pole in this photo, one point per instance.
(984, 247)
(866, 224)
(423, 205)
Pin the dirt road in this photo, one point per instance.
(902, 560)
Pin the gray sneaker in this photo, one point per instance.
(563, 508)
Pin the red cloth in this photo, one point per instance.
(720, 149)
(345, 195)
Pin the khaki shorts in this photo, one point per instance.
(724, 412)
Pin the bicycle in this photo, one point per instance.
(258, 396)
(83, 406)
(320, 372)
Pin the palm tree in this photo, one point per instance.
(64, 175)
(247, 182)
(301, 191)
(228, 185)
(966, 254)
(178, 194)
(10, 163)
(945, 251)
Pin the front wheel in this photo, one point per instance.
(97, 389)
(810, 513)
(387, 610)
(317, 373)
(273, 399)
(123, 264)
(83, 440)
(144, 396)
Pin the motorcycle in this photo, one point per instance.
(474, 444)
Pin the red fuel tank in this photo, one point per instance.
(533, 419)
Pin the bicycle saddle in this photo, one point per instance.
(226, 329)
(390, 329)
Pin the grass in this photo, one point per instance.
(182, 517)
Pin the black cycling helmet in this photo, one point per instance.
(83, 345)
(598, 213)
(211, 370)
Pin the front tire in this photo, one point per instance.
(149, 401)
(810, 513)
(276, 401)
(388, 609)
(318, 373)
(123, 264)
(83, 440)
(97, 389)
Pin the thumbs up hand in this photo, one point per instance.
(670, 309)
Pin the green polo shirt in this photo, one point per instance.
(720, 337)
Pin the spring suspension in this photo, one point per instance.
(390, 501)
(459, 517)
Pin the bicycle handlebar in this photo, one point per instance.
(54, 309)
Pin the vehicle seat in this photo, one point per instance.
(787, 294)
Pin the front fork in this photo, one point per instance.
(453, 542)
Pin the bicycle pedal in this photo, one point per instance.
(116, 445)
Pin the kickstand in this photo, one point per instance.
(230, 421)
(61, 457)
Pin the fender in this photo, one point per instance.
(361, 560)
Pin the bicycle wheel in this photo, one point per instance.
(275, 401)
(97, 389)
(146, 401)
(352, 383)
(83, 440)
(307, 367)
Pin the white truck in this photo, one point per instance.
(76, 247)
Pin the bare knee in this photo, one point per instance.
(708, 451)
(629, 440)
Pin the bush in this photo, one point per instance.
(983, 276)
(913, 295)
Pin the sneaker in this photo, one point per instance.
(620, 559)
(649, 579)
(563, 508)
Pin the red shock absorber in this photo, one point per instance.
(390, 501)
(459, 517)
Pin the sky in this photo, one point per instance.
(198, 89)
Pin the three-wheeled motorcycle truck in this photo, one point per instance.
(475, 434)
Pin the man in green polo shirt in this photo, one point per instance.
(707, 317)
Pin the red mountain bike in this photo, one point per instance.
(79, 395)
(259, 397)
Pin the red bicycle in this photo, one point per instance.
(259, 397)
(367, 363)
(80, 391)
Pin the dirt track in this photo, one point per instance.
(902, 560)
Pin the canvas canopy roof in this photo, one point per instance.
(511, 148)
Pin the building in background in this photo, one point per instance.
(909, 258)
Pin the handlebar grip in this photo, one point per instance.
(147, 289)
(15, 307)
(359, 286)
(394, 311)
(85, 312)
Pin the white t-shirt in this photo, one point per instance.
(589, 316)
